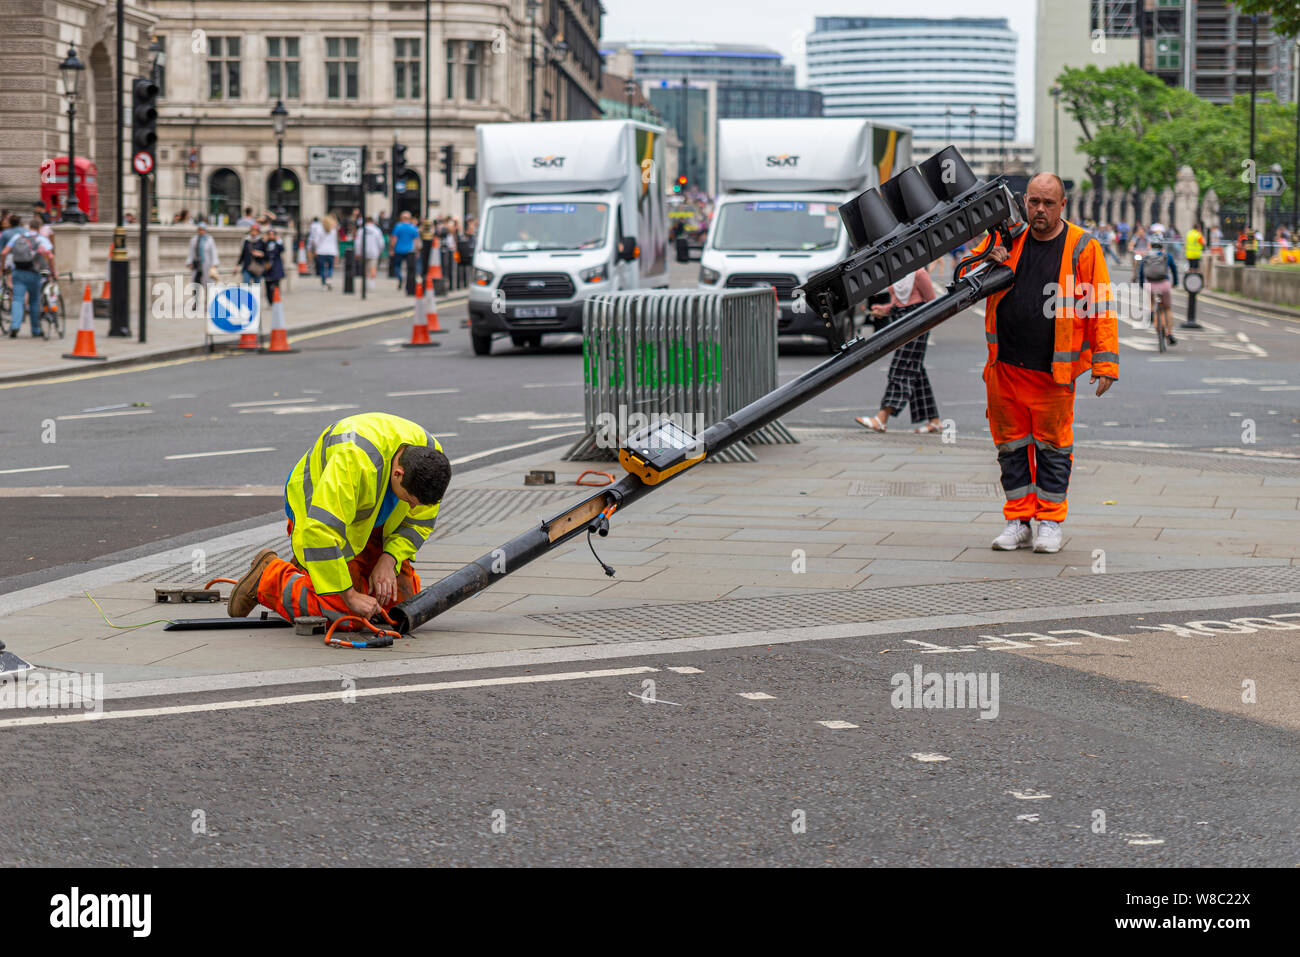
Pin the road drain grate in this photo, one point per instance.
(462, 509)
(691, 619)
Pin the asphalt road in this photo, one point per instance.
(1076, 768)
(230, 422)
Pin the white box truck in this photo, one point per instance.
(567, 210)
(780, 185)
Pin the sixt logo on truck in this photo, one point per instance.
(785, 159)
(548, 162)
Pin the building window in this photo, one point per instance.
(342, 68)
(451, 69)
(223, 68)
(282, 68)
(406, 68)
(1169, 53)
(473, 58)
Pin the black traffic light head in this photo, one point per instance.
(399, 159)
(144, 116)
(908, 222)
(448, 164)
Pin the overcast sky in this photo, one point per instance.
(778, 25)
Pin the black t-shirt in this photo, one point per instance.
(1026, 320)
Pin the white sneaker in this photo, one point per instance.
(1015, 535)
(1048, 538)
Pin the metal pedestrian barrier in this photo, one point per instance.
(686, 357)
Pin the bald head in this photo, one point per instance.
(1045, 202)
(1045, 178)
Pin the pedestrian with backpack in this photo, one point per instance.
(24, 253)
(1160, 272)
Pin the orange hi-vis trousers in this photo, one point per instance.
(1032, 421)
(287, 590)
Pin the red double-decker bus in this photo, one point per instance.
(54, 186)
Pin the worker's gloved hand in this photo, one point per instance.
(383, 580)
(359, 604)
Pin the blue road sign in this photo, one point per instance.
(234, 310)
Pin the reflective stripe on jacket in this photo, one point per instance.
(336, 489)
(1087, 332)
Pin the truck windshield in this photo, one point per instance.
(528, 226)
(786, 226)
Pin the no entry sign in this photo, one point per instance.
(142, 163)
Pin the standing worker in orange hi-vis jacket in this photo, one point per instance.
(1054, 324)
(360, 504)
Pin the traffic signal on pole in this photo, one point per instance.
(680, 184)
(144, 116)
(399, 159)
(470, 180)
(448, 164)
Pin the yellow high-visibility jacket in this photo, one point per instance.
(335, 491)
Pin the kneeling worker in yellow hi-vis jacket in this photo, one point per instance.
(360, 504)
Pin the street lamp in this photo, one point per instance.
(1002, 133)
(972, 134)
(533, 7)
(1056, 129)
(558, 56)
(629, 87)
(72, 68)
(279, 116)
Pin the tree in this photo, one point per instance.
(1284, 14)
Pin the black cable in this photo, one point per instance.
(609, 570)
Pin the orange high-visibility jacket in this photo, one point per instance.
(1087, 332)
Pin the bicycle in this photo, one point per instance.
(53, 319)
(6, 298)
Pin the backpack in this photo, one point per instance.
(1156, 268)
(23, 249)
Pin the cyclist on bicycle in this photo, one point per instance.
(26, 251)
(1160, 272)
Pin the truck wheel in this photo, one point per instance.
(482, 344)
(518, 340)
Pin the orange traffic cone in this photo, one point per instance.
(108, 276)
(419, 321)
(435, 261)
(279, 334)
(431, 311)
(302, 258)
(84, 348)
(251, 341)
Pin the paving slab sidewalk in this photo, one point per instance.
(306, 308)
(702, 538)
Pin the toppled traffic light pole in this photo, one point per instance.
(907, 223)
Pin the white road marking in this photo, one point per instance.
(685, 670)
(183, 395)
(204, 455)
(105, 415)
(1193, 392)
(145, 495)
(244, 405)
(756, 695)
(527, 416)
(1279, 388)
(509, 448)
(322, 696)
(1029, 794)
(1027, 818)
(297, 409)
(38, 468)
(50, 495)
(1221, 380)
(642, 697)
(1241, 337)
(398, 395)
(312, 391)
(1157, 359)
(837, 725)
(1254, 322)
(928, 756)
(553, 425)
(1143, 840)
(1141, 345)
(847, 408)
